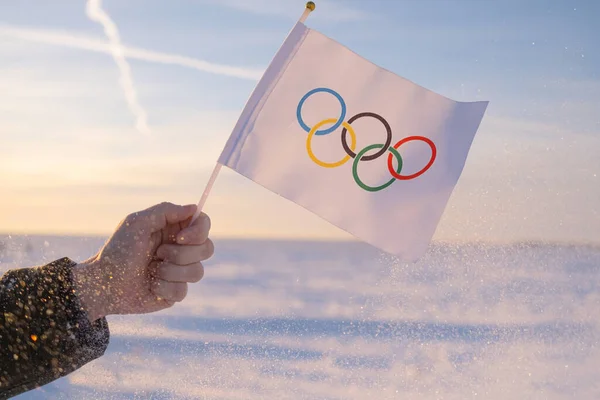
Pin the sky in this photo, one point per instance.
(82, 145)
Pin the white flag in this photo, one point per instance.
(370, 152)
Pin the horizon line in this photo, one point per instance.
(497, 242)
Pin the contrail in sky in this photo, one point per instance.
(95, 12)
(82, 42)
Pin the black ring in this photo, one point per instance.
(385, 147)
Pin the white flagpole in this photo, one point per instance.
(310, 6)
(207, 189)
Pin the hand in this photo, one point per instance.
(147, 263)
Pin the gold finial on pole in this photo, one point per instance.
(310, 6)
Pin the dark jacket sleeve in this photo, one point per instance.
(44, 332)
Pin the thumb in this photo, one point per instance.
(159, 216)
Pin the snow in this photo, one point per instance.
(337, 320)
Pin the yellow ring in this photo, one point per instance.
(312, 133)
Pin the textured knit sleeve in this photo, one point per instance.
(44, 332)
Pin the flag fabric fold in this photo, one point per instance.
(365, 149)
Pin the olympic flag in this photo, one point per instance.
(370, 152)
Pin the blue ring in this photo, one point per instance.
(321, 131)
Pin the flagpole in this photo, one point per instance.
(310, 6)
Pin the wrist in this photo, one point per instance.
(89, 288)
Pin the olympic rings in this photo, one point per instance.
(384, 148)
(358, 158)
(313, 132)
(349, 149)
(419, 173)
(338, 121)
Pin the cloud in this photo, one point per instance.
(95, 12)
(83, 42)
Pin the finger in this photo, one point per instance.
(197, 233)
(184, 255)
(186, 223)
(170, 233)
(159, 216)
(180, 273)
(171, 292)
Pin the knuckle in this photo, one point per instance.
(162, 272)
(169, 253)
(157, 289)
(162, 208)
(168, 272)
(131, 218)
(164, 204)
(161, 252)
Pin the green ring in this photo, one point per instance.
(362, 153)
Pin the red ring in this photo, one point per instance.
(421, 172)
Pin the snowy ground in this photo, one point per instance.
(299, 320)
